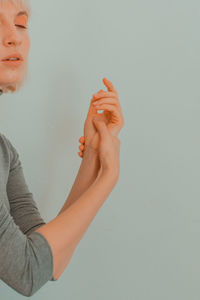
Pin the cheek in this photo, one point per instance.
(26, 45)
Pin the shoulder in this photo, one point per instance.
(5, 142)
(7, 149)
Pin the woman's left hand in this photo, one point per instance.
(112, 114)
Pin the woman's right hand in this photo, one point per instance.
(108, 149)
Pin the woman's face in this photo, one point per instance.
(13, 39)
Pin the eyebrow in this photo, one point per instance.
(23, 12)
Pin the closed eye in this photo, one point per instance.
(21, 26)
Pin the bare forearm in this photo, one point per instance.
(87, 174)
(65, 231)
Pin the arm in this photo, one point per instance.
(22, 205)
(23, 208)
(87, 174)
(66, 230)
(26, 262)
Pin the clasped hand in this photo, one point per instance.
(108, 101)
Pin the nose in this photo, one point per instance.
(11, 38)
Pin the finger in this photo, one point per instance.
(82, 139)
(116, 115)
(92, 110)
(99, 92)
(81, 147)
(80, 154)
(105, 101)
(104, 94)
(109, 85)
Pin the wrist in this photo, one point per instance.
(109, 174)
(91, 160)
(90, 151)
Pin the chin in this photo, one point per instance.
(14, 82)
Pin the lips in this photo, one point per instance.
(14, 55)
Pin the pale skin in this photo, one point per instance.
(13, 38)
(94, 181)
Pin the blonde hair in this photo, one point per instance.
(24, 3)
(15, 87)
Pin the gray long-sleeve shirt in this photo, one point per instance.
(26, 258)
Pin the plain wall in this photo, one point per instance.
(144, 243)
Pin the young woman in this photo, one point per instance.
(33, 252)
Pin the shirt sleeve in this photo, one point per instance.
(26, 261)
(23, 208)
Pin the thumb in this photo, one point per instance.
(101, 127)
